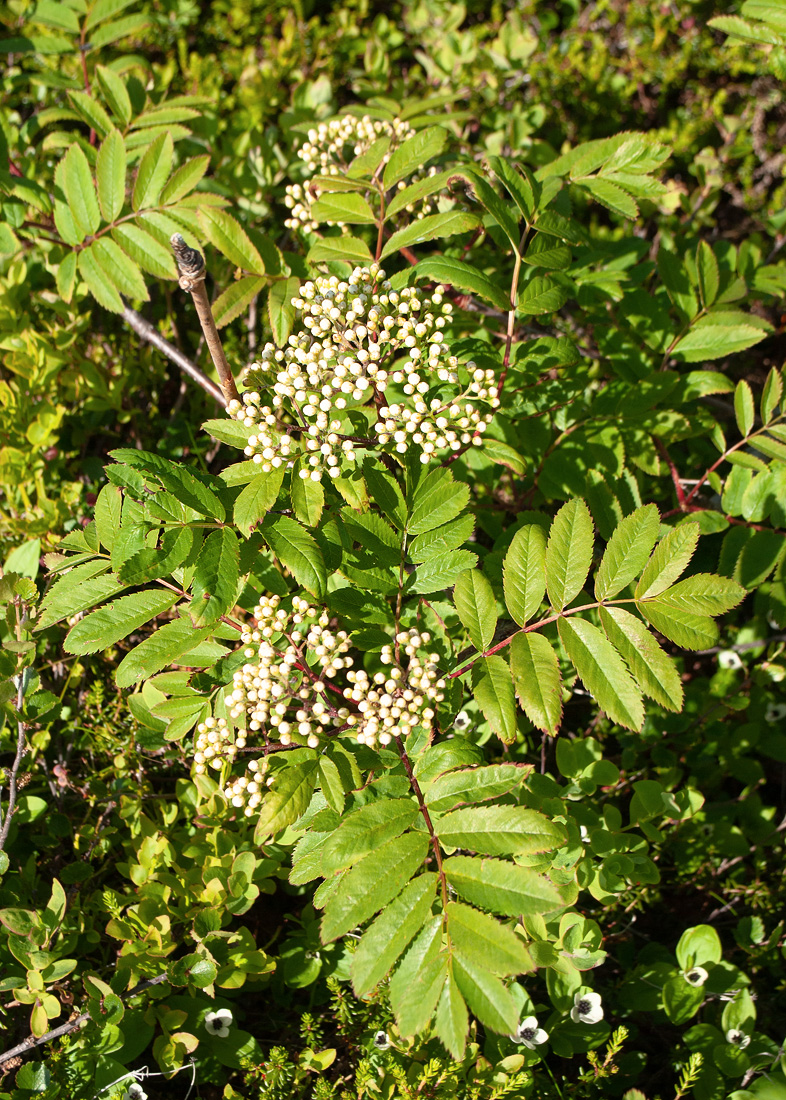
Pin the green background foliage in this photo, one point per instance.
(585, 796)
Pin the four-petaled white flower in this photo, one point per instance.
(381, 1040)
(776, 712)
(697, 975)
(737, 1038)
(529, 1034)
(219, 1022)
(135, 1092)
(587, 1008)
(727, 658)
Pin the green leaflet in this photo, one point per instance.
(537, 680)
(464, 276)
(373, 882)
(485, 942)
(524, 572)
(701, 594)
(416, 985)
(473, 785)
(602, 672)
(569, 553)
(288, 798)
(413, 153)
(349, 249)
(229, 237)
(541, 295)
(685, 630)
(308, 498)
(256, 500)
(493, 690)
(111, 176)
(670, 558)
(216, 573)
(390, 934)
(79, 590)
(346, 208)
(502, 887)
(452, 1020)
(499, 830)
(364, 830)
(437, 499)
(296, 549)
(153, 171)
(426, 229)
(79, 191)
(117, 620)
(655, 674)
(233, 301)
(476, 606)
(108, 508)
(744, 407)
(450, 536)
(164, 647)
(627, 551)
(487, 997)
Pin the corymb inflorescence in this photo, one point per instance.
(299, 686)
(370, 368)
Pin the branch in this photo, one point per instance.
(29, 1043)
(143, 328)
(191, 265)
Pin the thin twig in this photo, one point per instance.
(21, 744)
(191, 264)
(143, 328)
(29, 1043)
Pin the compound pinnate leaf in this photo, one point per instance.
(499, 830)
(627, 551)
(603, 672)
(655, 674)
(569, 553)
(669, 560)
(493, 691)
(117, 620)
(537, 680)
(390, 934)
(524, 572)
(476, 606)
(216, 574)
(502, 887)
(372, 883)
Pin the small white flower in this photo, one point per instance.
(584, 834)
(776, 712)
(381, 1040)
(135, 1092)
(587, 1008)
(727, 658)
(737, 1038)
(697, 975)
(529, 1034)
(219, 1022)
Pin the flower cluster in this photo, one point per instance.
(363, 340)
(386, 704)
(282, 692)
(215, 742)
(327, 152)
(277, 690)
